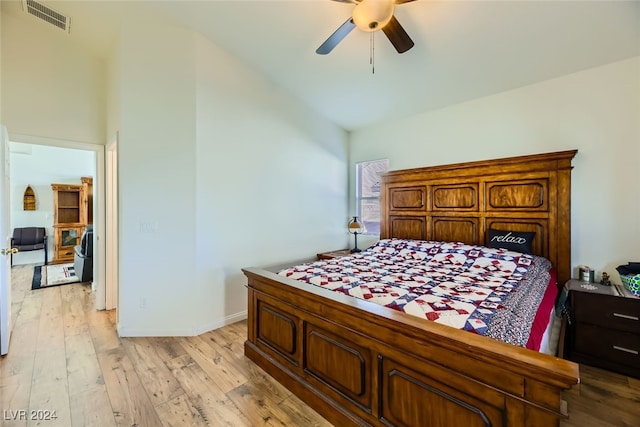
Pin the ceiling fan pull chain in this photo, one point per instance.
(372, 53)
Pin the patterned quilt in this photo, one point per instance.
(491, 292)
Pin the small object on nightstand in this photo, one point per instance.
(630, 276)
(605, 279)
(585, 274)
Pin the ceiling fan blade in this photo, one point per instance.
(402, 1)
(397, 36)
(336, 37)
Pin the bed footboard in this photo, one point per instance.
(360, 364)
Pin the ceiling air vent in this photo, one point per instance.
(39, 10)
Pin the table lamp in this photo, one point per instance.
(355, 228)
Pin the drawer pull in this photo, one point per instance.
(627, 350)
(626, 316)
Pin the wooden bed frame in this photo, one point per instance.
(358, 363)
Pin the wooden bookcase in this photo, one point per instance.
(87, 181)
(69, 219)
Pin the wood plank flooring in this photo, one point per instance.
(66, 357)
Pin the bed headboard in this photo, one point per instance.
(460, 202)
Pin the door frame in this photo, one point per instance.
(5, 242)
(112, 274)
(99, 203)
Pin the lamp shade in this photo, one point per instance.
(372, 15)
(355, 226)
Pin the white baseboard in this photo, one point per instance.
(181, 332)
(224, 322)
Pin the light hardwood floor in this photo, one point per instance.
(66, 357)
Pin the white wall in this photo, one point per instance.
(49, 87)
(40, 166)
(596, 111)
(271, 181)
(113, 93)
(217, 170)
(156, 180)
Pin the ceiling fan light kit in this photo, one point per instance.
(370, 16)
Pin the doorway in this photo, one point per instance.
(24, 142)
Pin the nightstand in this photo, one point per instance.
(334, 254)
(605, 327)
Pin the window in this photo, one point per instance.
(368, 193)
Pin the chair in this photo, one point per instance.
(83, 256)
(27, 239)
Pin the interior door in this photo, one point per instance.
(5, 244)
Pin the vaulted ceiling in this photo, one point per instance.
(463, 49)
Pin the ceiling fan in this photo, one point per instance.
(371, 15)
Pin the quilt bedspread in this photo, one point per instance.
(491, 292)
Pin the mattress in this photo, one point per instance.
(505, 295)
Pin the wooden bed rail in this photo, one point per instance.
(361, 364)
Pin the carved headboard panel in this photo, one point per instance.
(460, 202)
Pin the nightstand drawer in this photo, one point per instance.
(608, 311)
(615, 346)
